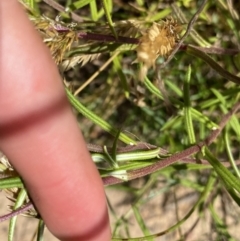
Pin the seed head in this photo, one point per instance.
(158, 40)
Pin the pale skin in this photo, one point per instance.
(41, 137)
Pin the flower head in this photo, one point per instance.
(159, 40)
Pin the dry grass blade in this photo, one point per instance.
(96, 73)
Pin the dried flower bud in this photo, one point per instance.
(158, 40)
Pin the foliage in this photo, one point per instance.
(162, 78)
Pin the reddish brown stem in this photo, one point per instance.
(107, 38)
(16, 212)
(127, 40)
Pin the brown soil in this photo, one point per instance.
(159, 213)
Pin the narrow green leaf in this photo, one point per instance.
(78, 4)
(140, 2)
(115, 144)
(19, 202)
(200, 117)
(109, 18)
(221, 227)
(96, 119)
(174, 87)
(110, 5)
(161, 15)
(40, 230)
(224, 73)
(233, 122)
(100, 13)
(229, 180)
(187, 108)
(110, 159)
(118, 69)
(93, 8)
(236, 59)
(32, 5)
(141, 222)
(219, 96)
(229, 152)
(172, 122)
(153, 89)
(11, 182)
